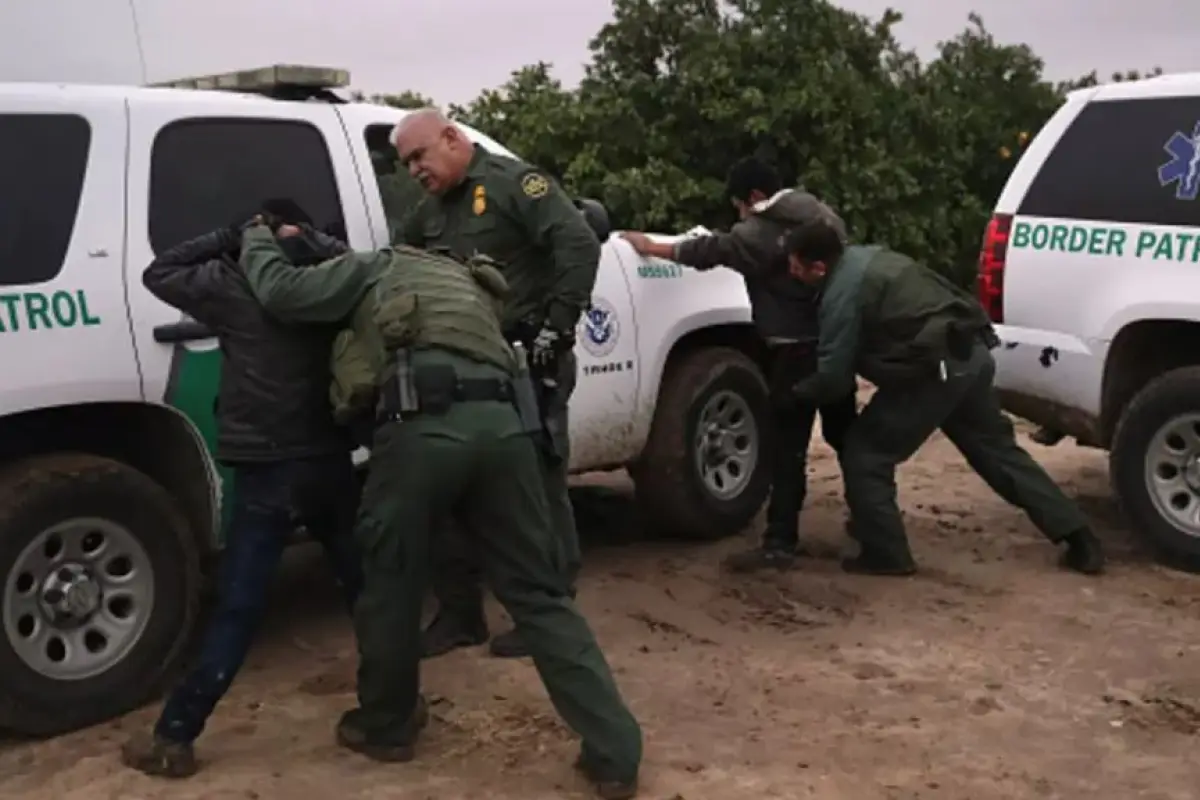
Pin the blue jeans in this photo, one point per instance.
(270, 501)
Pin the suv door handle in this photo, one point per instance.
(187, 331)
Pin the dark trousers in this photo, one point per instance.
(792, 427)
(457, 572)
(964, 406)
(270, 501)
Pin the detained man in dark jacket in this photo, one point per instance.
(785, 315)
(291, 464)
(926, 345)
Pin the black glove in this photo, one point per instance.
(548, 347)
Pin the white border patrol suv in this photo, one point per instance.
(1091, 265)
(109, 497)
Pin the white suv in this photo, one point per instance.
(1091, 268)
(109, 497)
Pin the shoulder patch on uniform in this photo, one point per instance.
(535, 185)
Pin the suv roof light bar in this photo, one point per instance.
(280, 82)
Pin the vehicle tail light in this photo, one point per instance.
(991, 266)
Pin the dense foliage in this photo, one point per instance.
(912, 154)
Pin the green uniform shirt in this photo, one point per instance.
(522, 220)
(327, 292)
(887, 318)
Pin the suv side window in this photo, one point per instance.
(43, 159)
(210, 173)
(1106, 165)
(398, 190)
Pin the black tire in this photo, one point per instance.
(671, 494)
(1170, 395)
(38, 493)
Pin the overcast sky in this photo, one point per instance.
(450, 49)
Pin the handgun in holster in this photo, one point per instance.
(398, 395)
(532, 401)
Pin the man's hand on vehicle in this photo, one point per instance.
(643, 245)
(637, 240)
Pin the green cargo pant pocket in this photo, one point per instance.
(381, 550)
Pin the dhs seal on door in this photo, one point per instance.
(599, 328)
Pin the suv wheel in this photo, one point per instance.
(99, 584)
(704, 474)
(1154, 464)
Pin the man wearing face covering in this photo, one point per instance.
(291, 463)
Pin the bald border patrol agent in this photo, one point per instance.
(456, 411)
(926, 345)
(482, 203)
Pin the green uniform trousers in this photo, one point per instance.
(457, 575)
(897, 421)
(474, 462)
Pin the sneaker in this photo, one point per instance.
(509, 644)
(399, 749)
(159, 757)
(1084, 553)
(760, 558)
(447, 632)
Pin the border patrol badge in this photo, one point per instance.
(535, 185)
(480, 204)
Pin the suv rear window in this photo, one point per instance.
(209, 173)
(43, 158)
(1106, 166)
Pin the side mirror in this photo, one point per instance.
(597, 217)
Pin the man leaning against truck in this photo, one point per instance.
(785, 315)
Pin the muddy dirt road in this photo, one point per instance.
(990, 675)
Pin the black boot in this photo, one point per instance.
(451, 631)
(159, 757)
(607, 788)
(1084, 553)
(760, 558)
(876, 562)
(395, 748)
(508, 645)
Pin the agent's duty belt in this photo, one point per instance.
(434, 389)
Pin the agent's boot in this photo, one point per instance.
(509, 644)
(1084, 553)
(760, 558)
(159, 757)
(607, 788)
(450, 631)
(870, 561)
(395, 747)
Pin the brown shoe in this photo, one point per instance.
(158, 757)
(607, 788)
(400, 749)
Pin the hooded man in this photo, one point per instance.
(291, 463)
(785, 315)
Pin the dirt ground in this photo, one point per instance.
(991, 674)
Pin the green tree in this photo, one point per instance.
(405, 99)
(912, 154)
